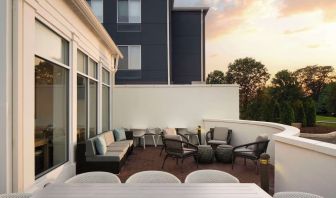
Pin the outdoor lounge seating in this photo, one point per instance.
(251, 150)
(174, 147)
(94, 177)
(152, 177)
(210, 176)
(295, 195)
(16, 195)
(171, 131)
(104, 152)
(218, 136)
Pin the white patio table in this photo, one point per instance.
(238, 190)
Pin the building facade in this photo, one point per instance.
(162, 44)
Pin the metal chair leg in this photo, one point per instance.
(164, 161)
(154, 140)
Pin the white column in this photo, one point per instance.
(6, 96)
(73, 99)
(99, 97)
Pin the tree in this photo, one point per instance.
(310, 111)
(299, 112)
(313, 79)
(250, 75)
(327, 100)
(331, 101)
(216, 77)
(285, 87)
(286, 114)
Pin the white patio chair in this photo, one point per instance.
(94, 177)
(210, 176)
(295, 195)
(152, 177)
(16, 195)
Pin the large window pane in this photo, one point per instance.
(93, 108)
(123, 11)
(51, 115)
(106, 77)
(97, 7)
(123, 63)
(81, 108)
(134, 57)
(50, 45)
(105, 108)
(134, 11)
(81, 62)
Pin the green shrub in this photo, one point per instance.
(276, 112)
(286, 114)
(310, 111)
(299, 113)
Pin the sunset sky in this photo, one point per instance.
(282, 34)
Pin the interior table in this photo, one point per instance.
(214, 190)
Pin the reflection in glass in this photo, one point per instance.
(51, 116)
(106, 77)
(105, 108)
(92, 68)
(81, 62)
(93, 108)
(81, 108)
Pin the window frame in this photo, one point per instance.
(128, 55)
(128, 13)
(68, 105)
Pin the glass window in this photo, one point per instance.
(92, 108)
(129, 11)
(92, 68)
(105, 108)
(81, 62)
(97, 7)
(81, 108)
(132, 57)
(106, 77)
(51, 115)
(45, 38)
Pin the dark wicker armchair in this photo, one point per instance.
(218, 136)
(171, 131)
(251, 150)
(176, 148)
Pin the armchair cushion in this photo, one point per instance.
(217, 142)
(109, 138)
(119, 134)
(220, 133)
(259, 139)
(169, 131)
(100, 145)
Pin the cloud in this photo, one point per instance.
(293, 7)
(300, 30)
(313, 46)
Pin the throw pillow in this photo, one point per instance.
(119, 134)
(100, 145)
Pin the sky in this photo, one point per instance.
(282, 34)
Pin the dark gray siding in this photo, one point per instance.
(186, 46)
(152, 38)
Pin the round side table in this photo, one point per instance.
(205, 154)
(224, 153)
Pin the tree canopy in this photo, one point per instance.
(285, 87)
(216, 77)
(250, 74)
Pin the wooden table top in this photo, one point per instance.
(238, 190)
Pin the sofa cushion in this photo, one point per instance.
(100, 145)
(119, 134)
(220, 133)
(217, 142)
(109, 138)
(122, 149)
(108, 157)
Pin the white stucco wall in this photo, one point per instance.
(178, 106)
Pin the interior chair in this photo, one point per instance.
(251, 150)
(175, 147)
(170, 132)
(152, 177)
(16, 195)
(94, 177)
(188, 134)
(210, 176)
(295, 195)
(218, 136)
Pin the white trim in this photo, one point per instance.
(168, 42)
(128, 14)
(6, 96)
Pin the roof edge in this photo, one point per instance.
(85, 9)
(204, 9)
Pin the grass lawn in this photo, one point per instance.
(326, 119)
